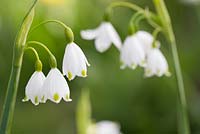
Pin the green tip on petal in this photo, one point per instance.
(148, 72)
(25, 99)
(133, 66)
(42, 99)
(68, 97)
(36, 100)
(168, 74)
(158, 72)
(56, 97)
(143, 63)
(69, 75)
(84, 73)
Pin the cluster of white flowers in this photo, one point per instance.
(137, 50)
(104, 127)
(54, 87)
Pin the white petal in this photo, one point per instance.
(70, 62)
(113, 35)
(156, 63)
(75, 61)
(132, 53)
(89, 34)
(33, 87)
(107, 127)
(56, 86)
(146, 40)
(102, 43)
(82, 61)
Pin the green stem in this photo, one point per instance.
(18, 51)
(38, 63)
(53, 62)
(183, 117)
(150, 16)
(155, 35)
(68, 31)
(167, 26)
(34, 51)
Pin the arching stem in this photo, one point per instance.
(152, 18)
(68, 32)
(53, 62)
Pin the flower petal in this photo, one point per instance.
(33, 87)
(113, 35)
(56, 86)
(89, 34)
(102, 43)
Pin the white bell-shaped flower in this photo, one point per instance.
(33, 87)
(146, 40)
(74, 62)
(107, 127)
(55, 87)
(132, 53)
(104, 36)
(156, 64)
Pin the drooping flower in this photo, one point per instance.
(55, 87)
(33, 87)
(104, 36)
(75, 62)
(156, 64)
(146, 40)
(132, 53)
(106, 127)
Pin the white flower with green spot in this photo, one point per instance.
(74, 62)
(104, 36)
(132, 53)
(107, 127)
(146, 40)
(55, 87)
(33, 87)
(156, 64)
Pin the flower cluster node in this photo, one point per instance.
(54, 87)
(140, 48)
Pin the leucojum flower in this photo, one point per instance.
(143, 49)
(140, 49)
(34, 86)
(74, 63)
(104, 127)
(104, 35)
(54, 87)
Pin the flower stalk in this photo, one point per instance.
(166, 22)
(18, 51)
(162, 23)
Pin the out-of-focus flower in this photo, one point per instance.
(74, 62)
(104, 127)
(132, 53)
(34, 87)
(156, 64)
(146, 40)
(55, 87)
(104, 36)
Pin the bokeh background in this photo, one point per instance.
(140, 105)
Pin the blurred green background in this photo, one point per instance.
(140, 105)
